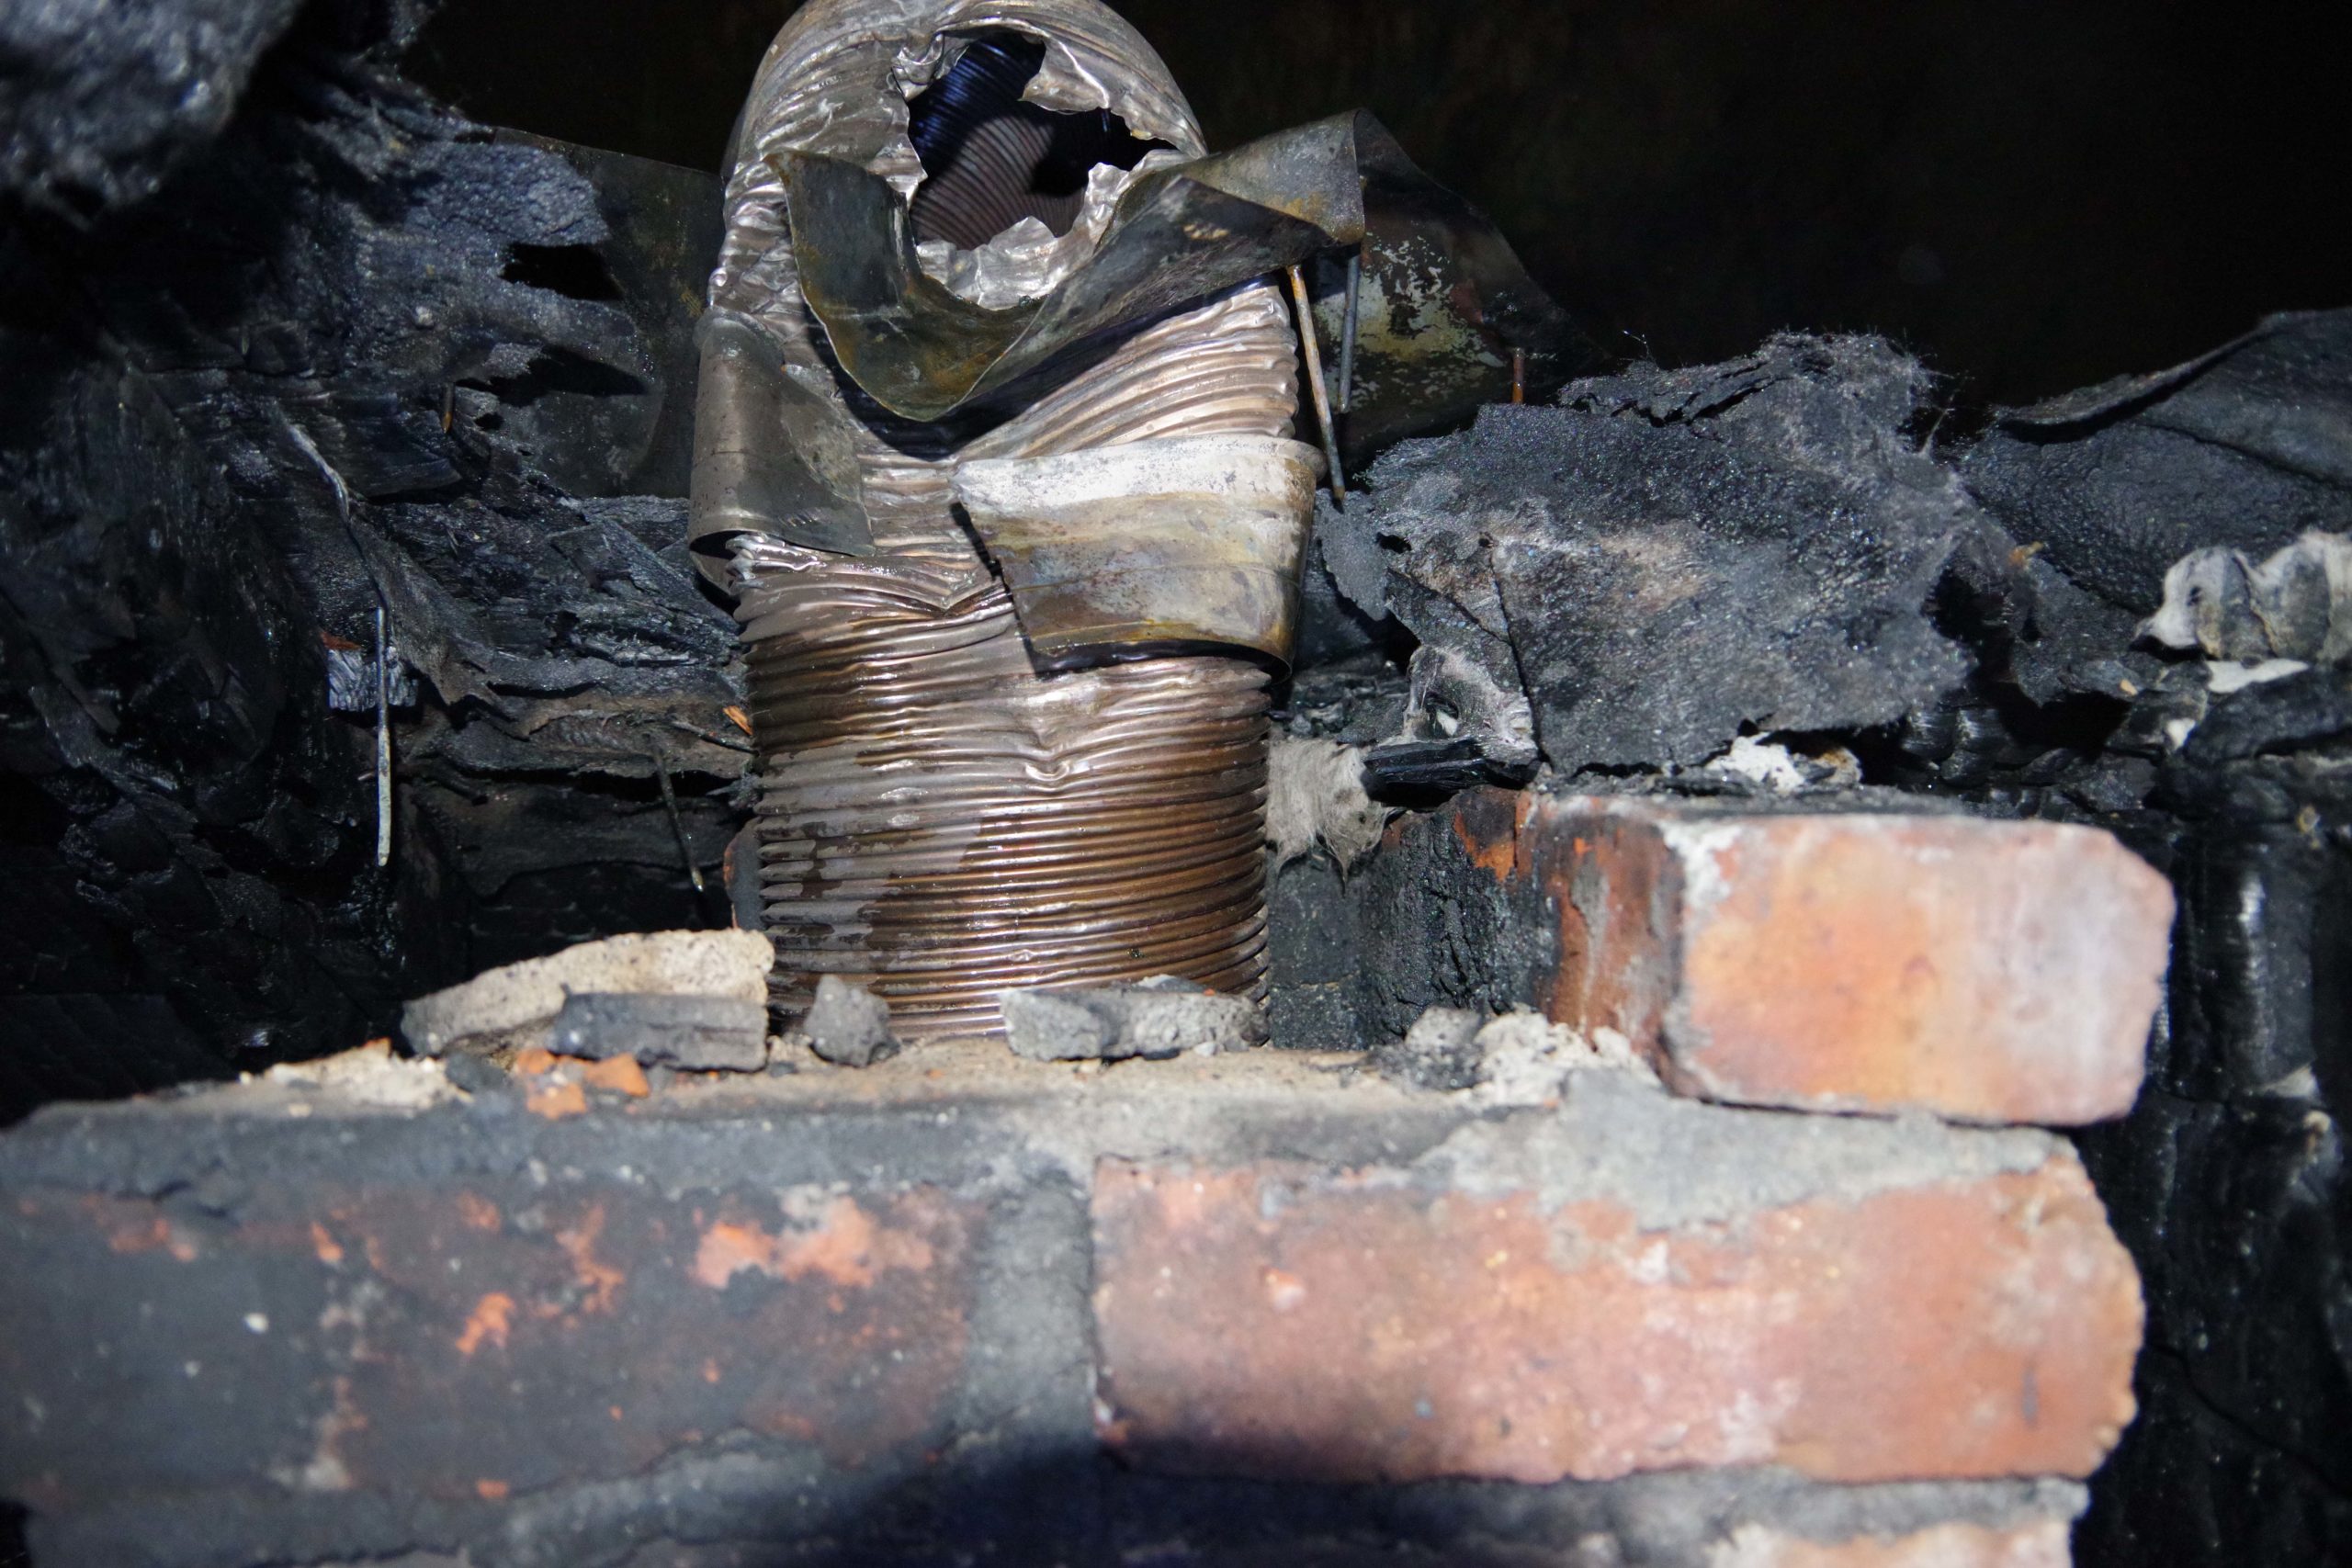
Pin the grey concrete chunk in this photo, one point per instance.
(1048, 1026)
(724, 1034)
(515, 1006)
(1440, 1051)
(1161, 1016)
(849, 1025)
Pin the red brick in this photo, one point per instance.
(1984, 971)
(1271, 1319)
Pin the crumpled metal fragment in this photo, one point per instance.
(826, 173)
(1180, 231)
(1149, 544)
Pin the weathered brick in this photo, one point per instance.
(488, 1336)
(1539, 1316)
(2041, 1544)
(1847, 961)
(847, 1316)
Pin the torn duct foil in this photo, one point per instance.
(995, 440)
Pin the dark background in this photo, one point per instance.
(2032, 196)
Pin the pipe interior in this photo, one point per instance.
(990, 160)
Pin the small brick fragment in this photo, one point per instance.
(557, 1101)
(619, 1075)
(2002, 972)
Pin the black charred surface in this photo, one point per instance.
(2227, 1181)
(2245, 446)
(264, 373)
(100, 102)
(1669, 559)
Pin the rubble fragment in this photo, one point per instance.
(1440, 1050)
(2295, 604)
(1517, 1058)
(1772, 766)
(1161, 1016)
(369, 1075)
(619, 1075)
(517, 1006)
(1524, 1058)
(849, 1025)
(2286, 711)
(701, 1032)
(557, 1098)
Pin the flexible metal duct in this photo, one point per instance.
(1042, 762)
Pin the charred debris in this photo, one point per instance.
(332, 415)
(344, 473)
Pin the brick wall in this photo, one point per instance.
(1259, 1308)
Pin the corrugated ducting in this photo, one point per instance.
(938, 816)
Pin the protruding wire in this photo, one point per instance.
(383, 737)
(1519, 375)
(1347, 338)
(677, 823)
(1315, 384)
(301, 438)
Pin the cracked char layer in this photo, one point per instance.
(972, 781)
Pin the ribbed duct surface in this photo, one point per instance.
(937, 816)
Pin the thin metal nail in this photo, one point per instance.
(677, 823)
(1314, 385)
